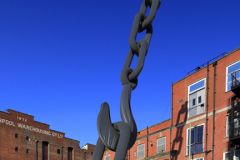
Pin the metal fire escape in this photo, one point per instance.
(234, 137)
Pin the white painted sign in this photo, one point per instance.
(31, 128)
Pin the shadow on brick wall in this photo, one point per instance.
(178, 140)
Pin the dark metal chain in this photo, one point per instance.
(122, 135)
(140, 48)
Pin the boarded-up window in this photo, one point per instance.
(140, 151)
(107, 157)
(45, 150)
(161, 145)
(196, 98)
(70, 153)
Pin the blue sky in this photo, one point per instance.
(60, 60)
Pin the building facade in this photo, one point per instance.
(22, 138)
(201, 126)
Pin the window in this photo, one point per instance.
(236, 155)
(193, 102)
(16, 149)
(198, 158)
(58, 151)
(70, 153)
(44, 150)
(161, 145)
(27, 138)
(236, 125)
(228, 125)
(196, 96)
(199, 99)
(107, 157)
(27, 151)
(196, 140)
(140, 151)
(16, 135)
(232, 69)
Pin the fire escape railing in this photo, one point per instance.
(235, 82)
(236, 127)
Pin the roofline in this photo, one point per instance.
(155, 125)
(227, 54)
(72, 139)
(18, 112)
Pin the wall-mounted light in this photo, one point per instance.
(151, 143)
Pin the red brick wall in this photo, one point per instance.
(181, 122)
(222, 100)
(56, 139)
(155, 132)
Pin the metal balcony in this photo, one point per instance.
(235, 86)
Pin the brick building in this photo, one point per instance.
(203, 103)
(22, 138)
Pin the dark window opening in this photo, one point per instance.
(91, 153)
(45, 150)
(193, 102)
(199, 99)
(196, 140)
(58, 151)
(16, 135)
(16, 149)
(70, 151)
(27, 138)
(27, 151)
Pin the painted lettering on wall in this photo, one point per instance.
(30, 128)
(21, 118)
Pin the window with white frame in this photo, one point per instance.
(107, 157)
(228, 123)
(196, 140)
(161, 145)
(232, 69)
(236, 155)
(236, 125)
(196, 96)
(198, 158)
(140, 151)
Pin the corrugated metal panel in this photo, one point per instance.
(107, 157)
(161, 146)
(141, 151)
(197, 107)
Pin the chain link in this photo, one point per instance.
(120, 136)
(140, 48)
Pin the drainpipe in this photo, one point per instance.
(189, 152)
(214, 94)
(232, 128)
(147, 141)
(36, 149)
(207, 111)
(61, 152)
(171, 124)
(129, 154)
(84, 157)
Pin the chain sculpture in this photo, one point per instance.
(121, 136)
